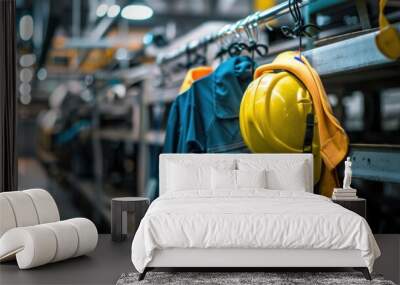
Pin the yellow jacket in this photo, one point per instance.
(333, 139)
(194, 74)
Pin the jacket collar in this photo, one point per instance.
(230, 80)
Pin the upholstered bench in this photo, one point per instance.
(31, 230)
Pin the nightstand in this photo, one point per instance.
(124, 209)
(358, 206)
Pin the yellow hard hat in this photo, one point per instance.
(276, 116)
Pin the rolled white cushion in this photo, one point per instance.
(26, 208)
(23, 208)
(33, 246)
(41, 244)
(45, 205)
(67, 240)
(87, 235)
(7, 218)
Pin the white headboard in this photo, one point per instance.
(200, 158)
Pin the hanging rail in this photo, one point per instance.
(251, 20)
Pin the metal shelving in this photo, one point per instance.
(128, 76)
(118, 135)
(85, 188)
(376, 162)
(348, 56)
(166, 95)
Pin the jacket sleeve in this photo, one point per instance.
(172, 130)
(195, 137)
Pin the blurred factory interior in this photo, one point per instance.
(93, 98)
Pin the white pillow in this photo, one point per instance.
(293, 180)
(183, 177)
(290, 175)
(223, 179)
(226, 179)
(251, 178)
(186, 174)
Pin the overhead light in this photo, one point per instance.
(101, 10)
(25, 98)
(25, 75)
(42, 73)
(27, 60)
(113, 11)
(26, 27)
(25, 88)
(137, 12)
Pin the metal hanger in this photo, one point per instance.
(299, 29)
(238, 46)
(222, 41)
(201, 58)
(188, 61)
(205, 50)
(252, 31)
(193, 57)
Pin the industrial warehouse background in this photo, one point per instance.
(92, 92)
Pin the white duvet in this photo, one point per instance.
(251, 218)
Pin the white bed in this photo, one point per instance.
(249, 227)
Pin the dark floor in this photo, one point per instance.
(103, 266)
(110, 260)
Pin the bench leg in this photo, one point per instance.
(143, 274)
(364, 271)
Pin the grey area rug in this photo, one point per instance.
(233, 278)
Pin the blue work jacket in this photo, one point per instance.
(205, 118)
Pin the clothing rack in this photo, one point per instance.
(252, 20)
